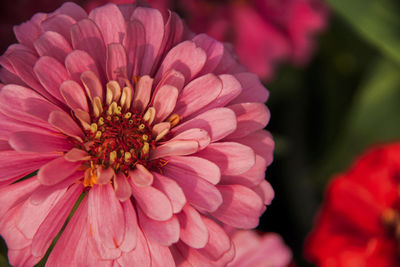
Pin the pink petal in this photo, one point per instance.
(21, 64)
(12, 195)
(198, 94)
(214, 50)
(172, 190)
(65, 124)
(134, 46)
(140, 256)
(175, 148)
(265, 191)
(250, 178)
(44, 191)
(76, 154)
(86, 36)
(77, 62)
(228, 62)
(173, 78)
(71, 236)
(110, 22)
(39, 143)
(110, 228)
(140, 176)
(232, 158)
(130, 239)
(51, 80)
(116, 62)
(262, 143)
(41, 109)
(250, 118)
(198, 192)
(22, 257)
(193, 230)
(142, 93)
(73, 10)
(195, 134)
(153, 202)
(74, 95)
(54, 221)
(160, 255)
(60, 24)
(218, 122)
(160, 130)
(32, 216)
(56, 170)
(241, 207)
(231, 88)
(29, 31)
(15, 165)
(122, 188)
(253, 90)
(186, 58)
(163, 232)
(218, 241)
(164, 102)
(195, 167)
(10, 125)
(54, 45)
(153, 23)
(92, 85)
(14, 238)
(104, 176)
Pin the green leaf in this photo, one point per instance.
(377, 21)
(374, 118)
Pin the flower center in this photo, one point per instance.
(119, 139)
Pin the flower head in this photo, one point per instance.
(154, 134)
(359, 222)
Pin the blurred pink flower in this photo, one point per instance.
(263, 32)
(158, 134)
(253, 250)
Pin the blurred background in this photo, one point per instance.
(325, 110)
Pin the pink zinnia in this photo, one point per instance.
(268, 250)
(155, 133)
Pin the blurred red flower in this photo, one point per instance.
(359, 223)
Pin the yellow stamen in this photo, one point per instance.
(173, 119)
(112, 108)
(130, 121)
(101, 121)
(141, 126)
(113, 157)
(128, 115)
(145, 148)
(150, 115)
(93, 127)
(98, 135)
(108, 118)
(145, 137)
(97, 106)
(127, 156)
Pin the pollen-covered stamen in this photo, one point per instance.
(119, 139)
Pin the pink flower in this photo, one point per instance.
(264, 33)
(156, 137)
(259, 251)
